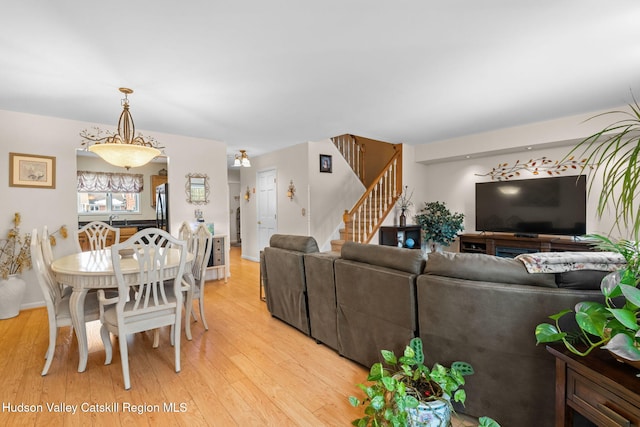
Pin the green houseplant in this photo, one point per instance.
(612, 325)
(615, 153)
(439, 225)
(400, 389)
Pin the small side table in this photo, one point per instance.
(601, 389)
(218, 260)
(398, 236)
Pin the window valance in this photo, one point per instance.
(108, 182)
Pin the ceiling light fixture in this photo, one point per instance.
(242, 160)
(123, 149)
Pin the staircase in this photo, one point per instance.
(362, 222)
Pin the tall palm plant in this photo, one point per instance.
(615, 150)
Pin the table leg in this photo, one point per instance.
(76, 306)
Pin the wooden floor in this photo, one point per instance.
(249, 369)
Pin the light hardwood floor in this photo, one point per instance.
(249, 369)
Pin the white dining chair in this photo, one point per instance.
(201, 244)
(56, 301)
(184, 233)
(47, 256)
(97, 233)
(152, 305)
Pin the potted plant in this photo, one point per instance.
(406, 392)
(612, 325)
(439, 225)
(404, 203)
(613, 152)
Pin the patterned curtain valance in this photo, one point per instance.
(103, 182)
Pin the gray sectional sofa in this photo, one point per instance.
(473, 307)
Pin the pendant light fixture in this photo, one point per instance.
(242, 160)
(123, 149)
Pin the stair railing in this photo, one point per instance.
(353, 152)
(364, 219)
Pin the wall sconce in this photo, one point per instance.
(291, 191)
(247, 195)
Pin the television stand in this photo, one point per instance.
(527, 235)
(510, 245)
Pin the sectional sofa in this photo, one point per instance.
(473, 307)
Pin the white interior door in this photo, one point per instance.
(267, 220)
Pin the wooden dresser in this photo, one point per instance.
(597, 387)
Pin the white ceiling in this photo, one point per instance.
(262, 75)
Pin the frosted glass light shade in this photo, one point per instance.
(242, 160)
(125, 155)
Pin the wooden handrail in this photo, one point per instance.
(364, 219)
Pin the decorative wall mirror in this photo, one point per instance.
(197, 188)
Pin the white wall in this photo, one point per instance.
(330, 193)
(289, 163)
(446, 170)
(453, 182)
(565, 131)
(320, 198)
(49, 136)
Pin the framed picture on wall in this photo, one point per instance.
(30, 170)
(325, 163)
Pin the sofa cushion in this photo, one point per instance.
(487, 268)
(305, 244)
(403, 259)
(581, 279)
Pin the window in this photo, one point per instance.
(107, 193)
(108, 203)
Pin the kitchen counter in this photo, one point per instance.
(138, 224)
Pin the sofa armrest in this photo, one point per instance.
(286, 289)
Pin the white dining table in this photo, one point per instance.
(93, 270)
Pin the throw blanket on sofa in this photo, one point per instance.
(560, 262)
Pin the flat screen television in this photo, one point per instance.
(555, 205)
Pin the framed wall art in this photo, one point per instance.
(325, 163)
(30, 170)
